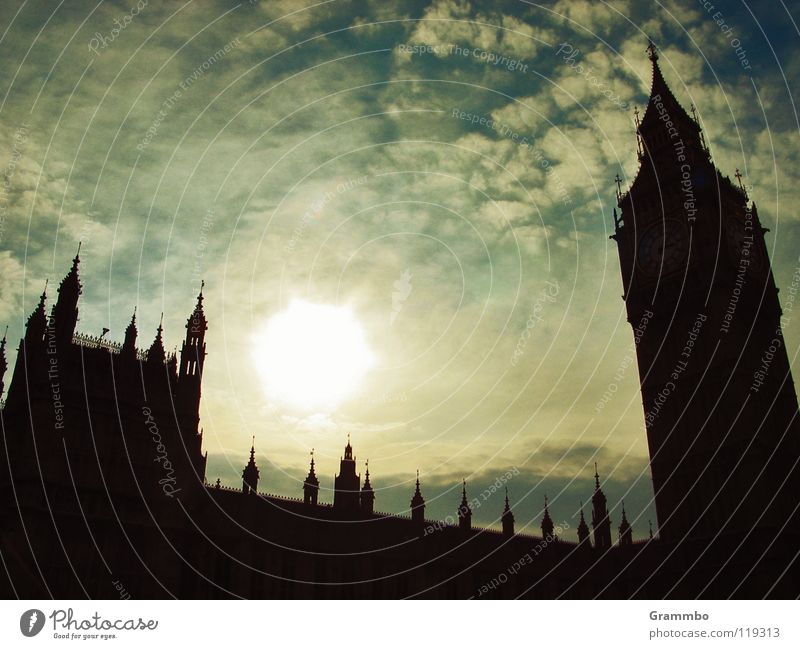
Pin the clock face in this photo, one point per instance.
(663, 248)
(741, 243)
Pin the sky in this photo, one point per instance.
(441, 171)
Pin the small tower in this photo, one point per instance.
(347, 484)
(583, 532)
(156, 354)
(464, 512)
(547, 524)
(367, 494)
(37, 321)
(508, 519)
(251, 474)
(3, 361)
(129, 345)
(64, 315)
(625, 530)
(311, 485)
(418, 505)
(601, 523)
(193, 351)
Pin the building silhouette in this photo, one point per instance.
(719, 401)
(104, 479)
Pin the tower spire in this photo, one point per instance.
(311, 484)
(418, 505)
(3, 361)
(666, 126)
(367, 497)
(547, 524)
(625, 530)
(65, 311)
(193, 350)
(37, 320)
(250, 474)
(464, 511)
(129, 345)
(601, 523)
(156, 353)
(652, 50)
(507, 518)
(347, 485)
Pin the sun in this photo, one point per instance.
(312, 357)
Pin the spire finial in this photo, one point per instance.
(78, 253)
(618, 180)
(650, 523)
(652, 51)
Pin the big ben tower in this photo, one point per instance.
(719, 403)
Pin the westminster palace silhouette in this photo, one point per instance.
(103, 485)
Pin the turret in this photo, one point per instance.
(625, 530)
(311, 485)
(156, 354)
(464, 511)
(3, 362)
(547, 524)
(347, 484)
(64, 314)
(251, 474)
(601, 523)
(367, 494)
(37, 322)
(666, 123)
(508, 518)
(193, 351)
(418, 505)
(129, 345)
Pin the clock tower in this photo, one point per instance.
(719, 403)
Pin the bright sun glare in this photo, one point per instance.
(312, 356)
